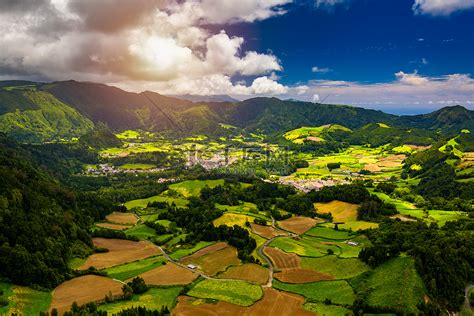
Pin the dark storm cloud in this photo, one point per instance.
(21, 6)
(113, 15)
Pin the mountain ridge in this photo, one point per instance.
(122, 110)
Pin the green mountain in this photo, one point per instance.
(32, 115)
(38, 112)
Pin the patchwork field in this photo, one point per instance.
(215, 262)
(153, 299)
(281, 259)
(328, 310)
(84, 289)
(120, 252)
(187, 251)
(353, 226)
(298, 224)
(143, 203)
(273, 303)
(132, 269)
(122, 218)
(250, 272)
(339, 292)
(341, 211)
(169, 274)
(235, 292)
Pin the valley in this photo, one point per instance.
(348, 213)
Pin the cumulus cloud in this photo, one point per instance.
(157, 43)
(327, 3)
(441, 7)
(411, 79)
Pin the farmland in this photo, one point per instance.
(84, 289)
(120, 251)
(235, 292)
(247, 272)
(168, 274)
(132, 269)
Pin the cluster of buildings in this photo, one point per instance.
(106, 169)
(307, 185)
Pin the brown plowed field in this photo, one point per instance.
(273, 303)
(281, 259)
(298, 224)
(265, 231)
(84, 289)
(299, 275)
(112, 226)
(120, 251)
(204, 251)
(248, 272)
(122, 218)
(216, 261)
(169, 274)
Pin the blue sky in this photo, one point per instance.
(400, 56)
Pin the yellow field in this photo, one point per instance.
(231, 219)
(341, 211)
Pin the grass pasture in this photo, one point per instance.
(143, 203)
(153, 299)
(235, 292)
(83, 289)
(353, 226)
(338, 291)
(169, 274)
(328, 233)
(141, 231)
(327, 310)
(190, 188)
(341, 211)
(23, 300)
(249, 272)
(132, 269)
(137, 166)
(336, 267)
(394, 285)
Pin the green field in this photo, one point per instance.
(306, 246)
(353, 226)
(141, 231)
(339, 292)
(132, 269)
(394, 285)
(143, 203)
(153, 299)
(137, 166)
(327, 310)
(24, 300)
(235, 292)
(246, 208)
(183, 252)
(190, 188)
(329, 233)
(339, 268)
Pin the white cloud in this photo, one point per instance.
(328, 2)
(407, 91)
(441, 7)
(160, 43)
(315, 98)
(320, 70)
(410, 79)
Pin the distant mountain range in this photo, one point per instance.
(32, 111)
